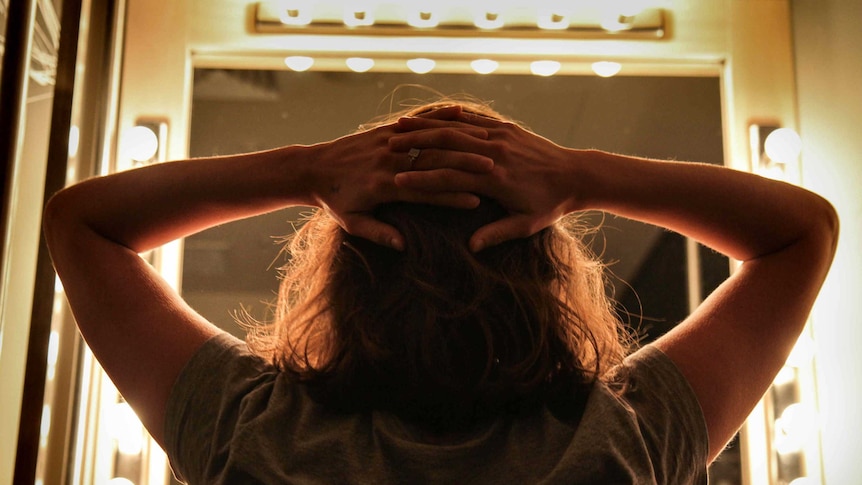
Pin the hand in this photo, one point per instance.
(532, 177)
(356, 173)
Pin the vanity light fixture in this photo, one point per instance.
(486, 18)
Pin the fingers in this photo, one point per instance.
(440, 181)
(433, 158)
(435, 119)
(514, 227)
(444, 113)
(443, 138)
(423, 123)
(455, 200)
(367, 227)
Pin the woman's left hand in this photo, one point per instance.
(356, 173)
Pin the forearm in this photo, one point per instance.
(144, 208)
(739, 214)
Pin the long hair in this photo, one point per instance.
(436, 334)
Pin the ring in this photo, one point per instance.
(412, 155)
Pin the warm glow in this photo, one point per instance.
(545, 68)
(299, 63)
(421, 65)
(796, 425)
(802, 353)
(606, 68)
(783, 145)
(359, 64)
(74, 140)
(126, 428)
(140, 144)
(785, 376)
(484, 66)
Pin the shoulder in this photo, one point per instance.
(663, 409)
(220, 386)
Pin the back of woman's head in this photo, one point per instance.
(437, 334)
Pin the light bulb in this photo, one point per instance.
(359, 64)
(299, 63)
(783, 145)
(126, 429)
(606, 68)
(423, 17)
(484, 66)
(487, 19)
(545, 68)
(358, 14)
(421, 65)
(295, 12)
(140, 143)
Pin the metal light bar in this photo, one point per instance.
(318, 18)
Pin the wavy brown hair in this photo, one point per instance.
(436, 334)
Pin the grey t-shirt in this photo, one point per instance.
(232, 418)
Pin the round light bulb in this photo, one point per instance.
(359, 64)
(358, 15)
(295, 12)
(606, 68)
(484, 66)
(120, 481)
(126, 429)
(783, 145)
(804, 481)
(796, 425)
(545, 68)
(140, 143)
(421, 65)
(423, 17)
(74, 140)
(299, 63)
(487, 19)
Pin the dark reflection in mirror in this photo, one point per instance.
(234, 267)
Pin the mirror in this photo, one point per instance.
(656, 274)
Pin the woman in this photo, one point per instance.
(437, 323)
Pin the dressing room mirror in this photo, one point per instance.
(655, 276)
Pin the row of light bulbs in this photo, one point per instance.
(616, 15)
(423, 65)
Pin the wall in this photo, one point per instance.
(829, 84)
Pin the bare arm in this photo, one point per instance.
(732, 346)
(140, 330)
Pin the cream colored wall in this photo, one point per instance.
(829, 78)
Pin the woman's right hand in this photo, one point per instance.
(534, 179)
